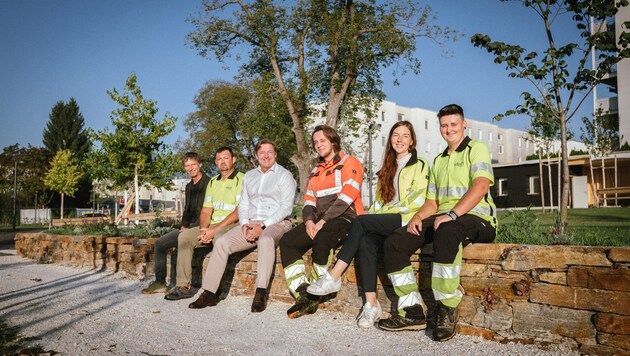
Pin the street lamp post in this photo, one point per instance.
(14, 191)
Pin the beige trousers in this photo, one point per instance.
(234, 241)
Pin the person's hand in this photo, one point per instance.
(310, 228)
(253, 232)
(440, 220)
(415, 225)
(206, 235)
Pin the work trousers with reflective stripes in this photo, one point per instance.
(234, 241)
(296, 243)
(366, 235)
(448, 242)
(187, 241)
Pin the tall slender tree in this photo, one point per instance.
(64, 175)
(134, 153)
(561, 86)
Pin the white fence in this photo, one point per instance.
(35, 216)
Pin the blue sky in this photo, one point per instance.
(57, 49)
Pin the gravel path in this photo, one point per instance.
(77, 311)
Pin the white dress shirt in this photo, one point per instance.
(266, 197)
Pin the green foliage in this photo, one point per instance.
(317, 51)
(156, 228)
(65, 130)
(518, 226)
(625, 147)
(601, 134)
(64, 173)
(238, 116)
(135, 147)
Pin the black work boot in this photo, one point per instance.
(414, 319)
(446, 321)
(305, 304)
(259, 303)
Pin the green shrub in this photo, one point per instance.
(520, 226)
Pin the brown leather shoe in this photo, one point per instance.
(206, 299)
(260, 302)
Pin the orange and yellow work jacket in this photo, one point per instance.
(334, 190)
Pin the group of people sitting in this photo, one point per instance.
(448, 205)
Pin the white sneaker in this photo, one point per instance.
(369, 315)
(324, 285)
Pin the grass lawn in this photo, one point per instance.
(590, 227)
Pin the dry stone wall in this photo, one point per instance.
(572, 295)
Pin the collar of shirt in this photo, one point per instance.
(271, 169)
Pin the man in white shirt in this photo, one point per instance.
(264, 209)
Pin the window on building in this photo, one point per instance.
(502, 186)
(480, 135)
(500, 149)
(383, 116)
(428, 147)
(520, 142)
(534, 185)
(499, 137)
(468, 132)
(401, 117)
(426, 124)
(490, 136)
(383, 141)
(526, 144)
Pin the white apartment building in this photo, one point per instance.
(614, 95)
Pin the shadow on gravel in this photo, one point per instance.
(13, 265)
(77, 296)
(12, 342)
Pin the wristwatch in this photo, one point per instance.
(262, 226)
(452, 215)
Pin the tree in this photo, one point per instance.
(238, 115)
(30, 188)
(317, 51)
(64, 175)
(134, 151)
(65, 130)
(561, 86)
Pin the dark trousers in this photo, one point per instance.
(365, 237)
(468, 228)
(295, 243)
(163, 244)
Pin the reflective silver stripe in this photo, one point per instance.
(419, 201)
(432, 188)
(223, 206)
(329, 191)
(293, 286)
(442, 296)
(346, 199)
(338, 178)
(218, 218)
(320, 270)
(402, 279)
(455, 192)
(294, 270)
(207, 199)
(410, 299)
(238, 197)
(404, 210)
(309, 202)
(310, 192)
(446, 272)
(483, 210)
(480, 166)
(353, 183)
(377, 205)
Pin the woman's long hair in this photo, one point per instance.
(387, 173)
